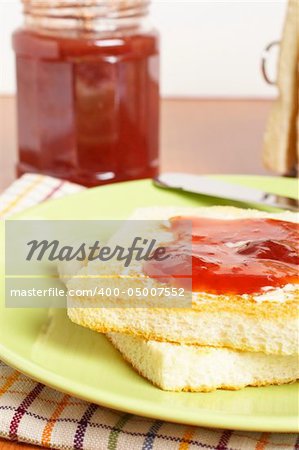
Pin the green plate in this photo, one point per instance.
(54, 351)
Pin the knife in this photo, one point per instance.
(217, 188)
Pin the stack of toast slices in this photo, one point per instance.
(219, 341)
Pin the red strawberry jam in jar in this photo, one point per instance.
(88, 90)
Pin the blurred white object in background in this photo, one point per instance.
(209, 48)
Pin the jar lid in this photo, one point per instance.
(92, 15)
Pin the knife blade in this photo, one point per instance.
(222, 189)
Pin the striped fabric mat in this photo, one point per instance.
(31, 412)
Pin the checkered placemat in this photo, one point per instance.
(31, 412)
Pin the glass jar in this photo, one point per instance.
(88, 90)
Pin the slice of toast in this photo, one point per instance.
(266, 322)
(180, 367)
(281, 139)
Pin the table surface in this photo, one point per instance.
(197, 136)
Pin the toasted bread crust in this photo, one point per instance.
(204, 302)
(248, 305)
(225, 387)
(152, 334)
(281, 312)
